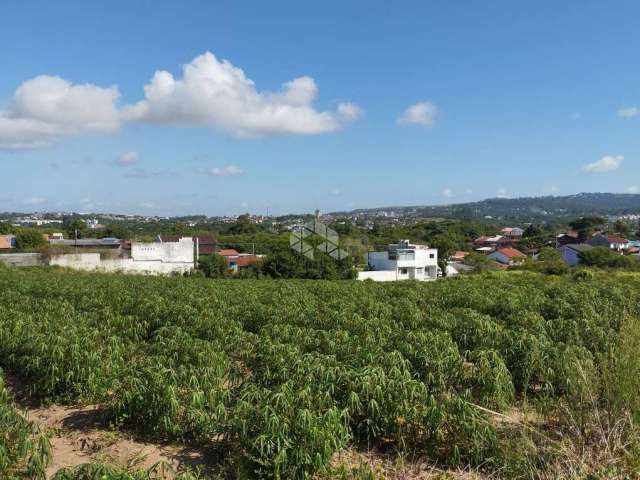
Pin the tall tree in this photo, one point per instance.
(446, 246)
(5, 228)
(621, 227)
(214, 266)
(586, 225)
(30, 239)
(243, 224)
(74, 227)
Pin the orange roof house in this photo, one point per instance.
(507, 255)
(6, 242)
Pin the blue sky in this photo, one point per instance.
(394, 104)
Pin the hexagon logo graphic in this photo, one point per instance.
(330, 245)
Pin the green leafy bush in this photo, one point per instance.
(283, 374)
(24, 451)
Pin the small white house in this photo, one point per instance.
(402, 261)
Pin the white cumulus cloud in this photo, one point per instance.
(447, 192)
(607, 163)
(211, 92)
(228, 171)
(46, 109)
(421, 113)
(632, 189)
(628, 112)
(349, 111)
(218, 94)
(127, 159)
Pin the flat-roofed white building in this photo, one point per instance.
(402, 261)
(146, 258)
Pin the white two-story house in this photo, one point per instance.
(402, 261)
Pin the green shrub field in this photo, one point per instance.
(24, 450)
(506, 374)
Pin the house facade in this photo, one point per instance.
(237, 260)
(489, 243)
(571, 253)
(402, 261)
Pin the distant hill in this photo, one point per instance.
(523, 209)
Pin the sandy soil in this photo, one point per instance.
(77, 436)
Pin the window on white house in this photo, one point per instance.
(419, 271)
(406, 255)
(403, 271)
(431, 255)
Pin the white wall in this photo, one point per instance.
(149, 258)
(378, 276)
(152, 267)
(389, 276)
(23, 259)
(181, 251)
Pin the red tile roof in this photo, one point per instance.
(5, 242)
(511, 252)
(228, 252)
(616, 239)
(246, 260)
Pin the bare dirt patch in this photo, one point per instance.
(78, 435)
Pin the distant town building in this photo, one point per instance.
(93, 224)
(488, 242)
(567, 238)
(458, 256)
(236, 260)
(613, 242)
(512, 233)
(38, 222)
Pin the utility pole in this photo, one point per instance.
(195, 262)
